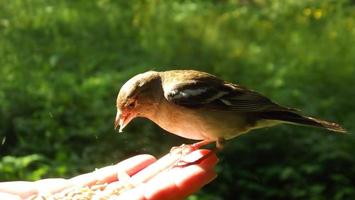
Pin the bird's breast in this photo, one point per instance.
(198, 124)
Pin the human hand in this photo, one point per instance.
(142, 176)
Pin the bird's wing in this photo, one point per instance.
(212, 93)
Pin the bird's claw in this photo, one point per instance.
(183, 149)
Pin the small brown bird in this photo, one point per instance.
(200, 106)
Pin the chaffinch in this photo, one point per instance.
(200, 106)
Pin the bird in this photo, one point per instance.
(200, 106)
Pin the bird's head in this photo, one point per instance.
(136, 98)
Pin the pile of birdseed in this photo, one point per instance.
(94, 192)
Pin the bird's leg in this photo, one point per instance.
(220, 144)
(200, 144)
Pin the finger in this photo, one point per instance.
(177, 183)
(182, 182)
(103, 175)
(109, 174)
(8, 196)
(25, 189)
(166, 162)
(50, 186)
(20, 188)
(192, 178)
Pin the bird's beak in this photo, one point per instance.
(122, 120)
(117, 119)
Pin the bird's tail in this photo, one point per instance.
(295, 118)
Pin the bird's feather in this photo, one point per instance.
(209, 92)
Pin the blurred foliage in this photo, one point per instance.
(62, 63)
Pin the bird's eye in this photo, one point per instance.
(131, 105)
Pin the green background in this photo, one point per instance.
(62, 63)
